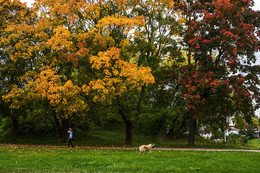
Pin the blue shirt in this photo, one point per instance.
(70, 134)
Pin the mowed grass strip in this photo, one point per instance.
(61, 159)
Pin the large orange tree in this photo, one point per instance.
(78, 50)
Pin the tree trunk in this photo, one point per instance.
(15, 128)
(128, 124)
(62, 125)
(57, 123)
(192, 129)
(129, 132)
(64, 129)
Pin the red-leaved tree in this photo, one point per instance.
(220, 79)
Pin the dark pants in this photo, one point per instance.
(70, 142)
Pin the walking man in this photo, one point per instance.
(70, 133)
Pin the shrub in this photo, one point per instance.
(237, 139)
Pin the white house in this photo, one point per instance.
(230, 130)
(231, 127)
(205, 134)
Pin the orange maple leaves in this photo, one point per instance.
(125, 23)
(118, 76)
(55, 38)
(61, 39)
(47, 85)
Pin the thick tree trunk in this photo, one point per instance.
(128, 124)
(192, 129)
(129, 133)
(15, 128)
(58, 126)
(128, 129)
(64, 129)
(62, 125)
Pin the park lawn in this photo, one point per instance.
(21, 158)
(254, 143)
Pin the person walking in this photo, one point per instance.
(70, 133)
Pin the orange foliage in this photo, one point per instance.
(62, 97)
(118, 76)
(61, 39)
(120, 21)
(56, 31)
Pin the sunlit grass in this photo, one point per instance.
(61, 159)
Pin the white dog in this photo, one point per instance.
(148, 148)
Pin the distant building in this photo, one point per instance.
(256, 133)
(231, 127)
(205, 134)
(230, 130)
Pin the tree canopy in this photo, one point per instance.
(71, 57)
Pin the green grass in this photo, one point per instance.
(254, 143)
(116, 138)
(61, 159)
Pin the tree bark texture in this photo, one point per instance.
(192, 130)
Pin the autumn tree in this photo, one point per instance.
(43, 44)
(73, 43)
(118, 78)
(15, 34)
(220, 38)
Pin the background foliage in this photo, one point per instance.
(165, 67)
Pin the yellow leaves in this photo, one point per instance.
(61, 39)
(17, 41)
(16, 96)
(100, 40)
(98, 85)
(126, 24)
(86, 88)
(124, 43)
(136, 76)
(14, 12)
(182, 20)
(118, 76)
(121, 2)
(92, 10)
(94, 40)
(43, 24)
(53, 36)
(63, 97)
(104, 59)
